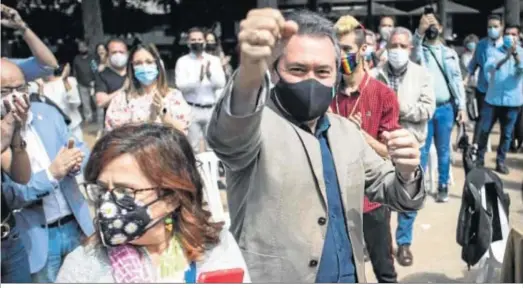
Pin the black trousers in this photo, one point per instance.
(378, 239)
(480, 97)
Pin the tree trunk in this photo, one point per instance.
(92, 20)
(512, 10)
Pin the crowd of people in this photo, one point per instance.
(355, 111)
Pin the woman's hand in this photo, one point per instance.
(156, 106)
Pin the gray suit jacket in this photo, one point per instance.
(415, 97)
(276, 191)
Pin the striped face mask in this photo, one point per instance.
(349, 63)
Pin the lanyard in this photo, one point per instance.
(357, 100)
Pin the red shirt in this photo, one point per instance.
(379, 110)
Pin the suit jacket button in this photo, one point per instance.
(313, 263)
(322, 221)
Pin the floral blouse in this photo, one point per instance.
(122, 111)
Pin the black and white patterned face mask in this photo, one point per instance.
(121, 218)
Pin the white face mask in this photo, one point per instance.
(118, 60)
(398, 57)
(385, 33)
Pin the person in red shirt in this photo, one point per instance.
(374, 108)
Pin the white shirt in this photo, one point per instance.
(68, 101)
(55, 205)
(187, 78)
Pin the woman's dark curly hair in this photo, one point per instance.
(167, 159)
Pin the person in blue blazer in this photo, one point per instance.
(52, 214)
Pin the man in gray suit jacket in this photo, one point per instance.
(296, 174)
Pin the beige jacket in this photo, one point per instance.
(415, 96)
(276, 191)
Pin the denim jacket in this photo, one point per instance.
(451, 66)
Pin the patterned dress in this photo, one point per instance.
(124, 110)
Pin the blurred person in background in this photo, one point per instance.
(112, 79)
(14, 264)
(504, 98)
(470, 43)
(443, 65)
(63, 91)
(371, 59)
(199, 75)
(43, 61)
(213, 46)
(55, 215)
(166, 236)
(84, 75)
(100, 58)
(148, 97)
(415, 91)
(494, 39)
(387, 23)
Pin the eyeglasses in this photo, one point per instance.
(95, 192)
(23, 89)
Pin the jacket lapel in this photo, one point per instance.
(341, 157)
(311, 145)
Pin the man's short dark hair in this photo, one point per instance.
(513, 26)
(195, 29)
(114, 40)
(390, 17)
(495, 17)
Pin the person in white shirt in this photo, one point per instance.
(63, 91)
(198, 75)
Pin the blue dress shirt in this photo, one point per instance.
(31, 68)
(337, 263)
(480, 59)
(505, 85)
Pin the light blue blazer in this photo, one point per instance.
(53, 132)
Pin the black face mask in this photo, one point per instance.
(432, 32)
(196, 47)
(211, 47)
(305, 100)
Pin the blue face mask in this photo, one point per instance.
(471, 46)
(493, 33)
(146, 73)
(508, 41)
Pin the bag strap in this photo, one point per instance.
(442, 71)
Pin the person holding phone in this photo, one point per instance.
(53, 215)
(443, 65)
(152, 226)
(148, 97)
(15, 264)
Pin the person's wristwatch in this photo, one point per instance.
(19, 146)
(515, 53)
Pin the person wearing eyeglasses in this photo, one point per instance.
(53, 215)
(151, 223)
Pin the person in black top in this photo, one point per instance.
(15, 264)
(112, 79)
(85, 77)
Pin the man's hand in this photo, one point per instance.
(404, 151)
(65, 162)
(258, 35)
(425, 22)
(19, 108)
(461, 117)
(11, 18)
(66, 72)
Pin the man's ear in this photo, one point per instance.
(363, 48)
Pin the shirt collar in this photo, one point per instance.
(322, 125)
